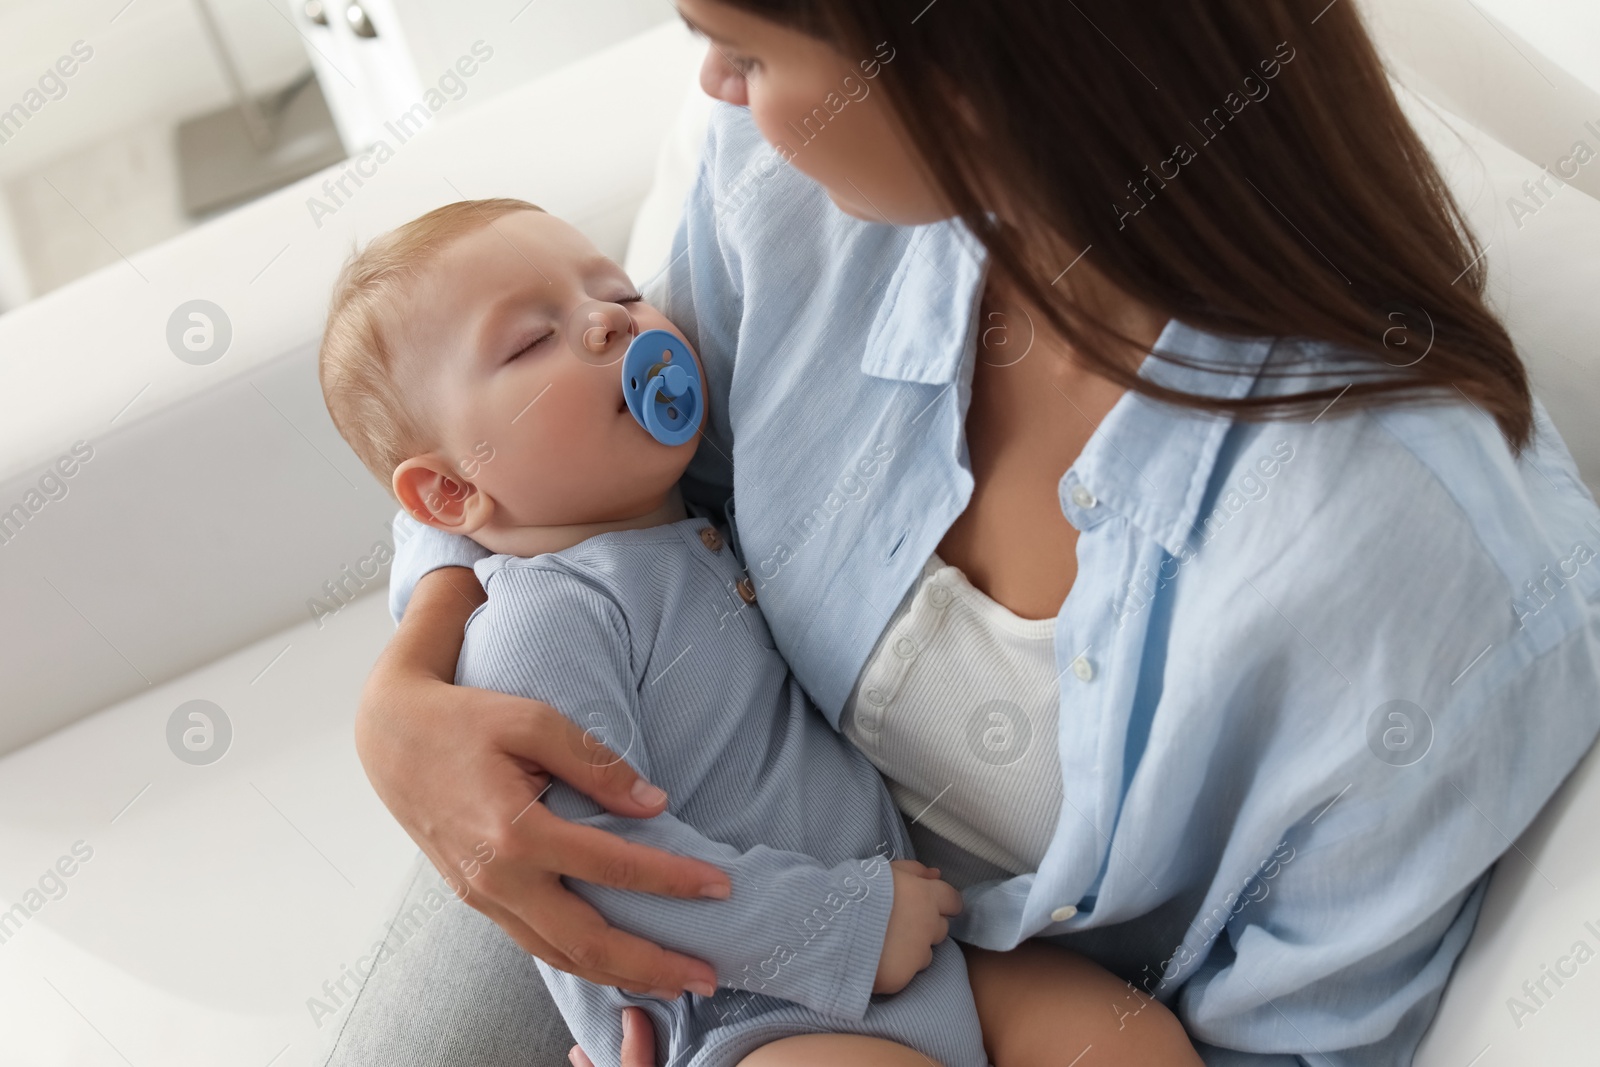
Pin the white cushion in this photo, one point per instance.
(679, 162)
(1543, 280)
(217, 899)
(1544, 271)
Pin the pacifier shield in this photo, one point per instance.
(661, 384)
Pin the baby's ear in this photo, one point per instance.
(433, 492)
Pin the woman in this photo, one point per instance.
(1127, 460)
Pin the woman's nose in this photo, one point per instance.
(600, 332)
(721, 81)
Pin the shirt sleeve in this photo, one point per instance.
(418, 549)
(1337, 951)
(1339, 982)
(1272, 993)
(793, 927)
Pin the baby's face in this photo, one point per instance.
(515, 337)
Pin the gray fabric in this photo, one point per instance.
(643, 638)
(455, 990)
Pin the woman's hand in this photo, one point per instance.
(638, 1042)
(461, 769)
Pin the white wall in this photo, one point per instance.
(1566, 31)
(83, 176)
(15, 287)
(530, 37)
(150, 61)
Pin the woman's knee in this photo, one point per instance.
(835, 1050)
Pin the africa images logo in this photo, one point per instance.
(199, 732)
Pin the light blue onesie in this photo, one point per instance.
(642, 637)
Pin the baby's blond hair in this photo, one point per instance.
(356, 362)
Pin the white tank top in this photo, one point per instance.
(957, 708)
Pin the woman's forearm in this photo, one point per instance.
(428, 641)
(424, 649)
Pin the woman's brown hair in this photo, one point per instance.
(1240, 165)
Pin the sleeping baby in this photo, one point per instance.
(447, 367)
(474, 360)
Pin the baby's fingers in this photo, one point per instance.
(915, 867)
(946, 898)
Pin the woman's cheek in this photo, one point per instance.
(857, 156)
(817, 158)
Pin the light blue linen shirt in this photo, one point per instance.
(1315, 675)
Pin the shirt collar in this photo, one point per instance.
(1152, 461)
(1149, 461)
(932, 301)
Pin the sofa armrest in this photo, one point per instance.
(217, 502)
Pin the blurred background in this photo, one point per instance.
(187, 108)
(176, 110)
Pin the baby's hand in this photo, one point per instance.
(916, 923)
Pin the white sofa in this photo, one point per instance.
(179, 565)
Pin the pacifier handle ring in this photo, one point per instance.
(655, 395)
(644, 389)
(653, 423)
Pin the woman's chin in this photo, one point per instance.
(851, 209)
(874, 211)
(851, 204)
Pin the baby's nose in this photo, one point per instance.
(600, 332)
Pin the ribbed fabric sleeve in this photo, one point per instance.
(795, 927)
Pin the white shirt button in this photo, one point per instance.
(1063, 913)
(939, 596)
(1082, 497)
(1083, 669)
(875, 697)
(904, 647)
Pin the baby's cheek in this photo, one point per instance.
(651, 318)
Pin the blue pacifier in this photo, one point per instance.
(661, 383)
